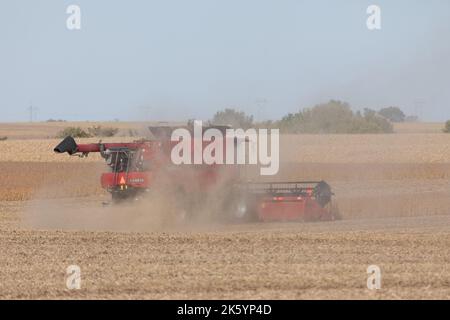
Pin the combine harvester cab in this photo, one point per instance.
(129, 175)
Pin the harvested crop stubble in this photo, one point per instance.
(418, 127)
(354, 171)
(379, 148)
(25, 180)
(252, 261)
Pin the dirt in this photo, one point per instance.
(394, 200)
(251, 261)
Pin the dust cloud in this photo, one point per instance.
(179, 200)
(166, 206)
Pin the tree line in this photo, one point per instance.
(331, 117)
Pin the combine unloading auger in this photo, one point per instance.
(67, 145)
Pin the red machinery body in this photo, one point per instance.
(290, 201)
(136, 167)
(131, 179)
(291, 209)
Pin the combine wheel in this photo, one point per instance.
(182, 207)
(243, 211)
(334, 211)
(119, 197)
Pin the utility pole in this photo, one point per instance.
(419, 106)
(32, 111)
(260, 104)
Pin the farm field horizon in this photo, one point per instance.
(49, 130)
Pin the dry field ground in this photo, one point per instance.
(393, 192)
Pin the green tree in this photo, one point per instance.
(234, 118)
(372, 122)
(74, 132)
(99, 131)
(394, 114)
(447, 127)
(334, 117)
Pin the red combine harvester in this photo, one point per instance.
(140, 166)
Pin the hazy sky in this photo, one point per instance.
(186, 59)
